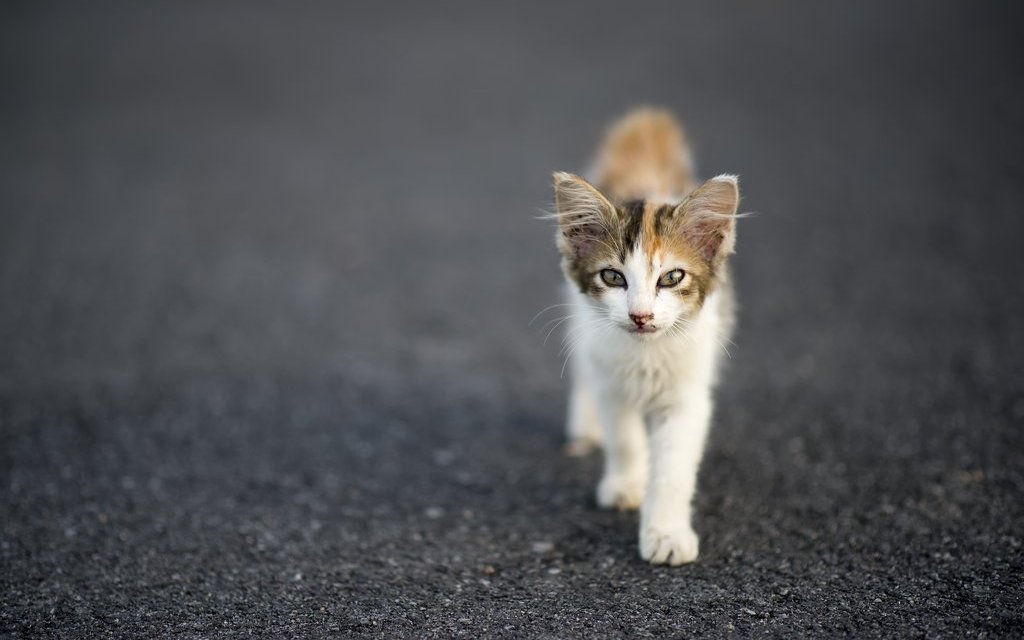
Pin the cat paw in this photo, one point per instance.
(584, 437)
(673, 546)
(620, 492)
(581, 447)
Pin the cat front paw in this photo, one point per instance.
(584, 437)
(673, 546)
(581, 447)
(620, 492)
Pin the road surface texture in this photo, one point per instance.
(266, 282)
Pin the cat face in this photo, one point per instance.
(646, 267)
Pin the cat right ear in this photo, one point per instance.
(584, 215)
(708, 217)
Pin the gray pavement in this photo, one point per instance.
(267, 273)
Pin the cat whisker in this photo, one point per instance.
(579, 332)
(552, 330)
(546, 309)
(574, 330)
(603, 330)
(557, 320)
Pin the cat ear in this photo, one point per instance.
(584, 216)
(707, 217)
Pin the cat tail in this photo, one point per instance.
(644, 155)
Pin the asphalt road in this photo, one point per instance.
(267, 273)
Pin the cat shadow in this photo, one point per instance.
(557, 491)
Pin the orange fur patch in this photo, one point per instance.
(650, 238)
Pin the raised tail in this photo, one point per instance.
(644, 155)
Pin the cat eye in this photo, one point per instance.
(613, 278)
(672, 278)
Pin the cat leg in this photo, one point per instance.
(625, 455)
(583, 429)
(676, 444)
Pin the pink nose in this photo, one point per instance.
(640, 319)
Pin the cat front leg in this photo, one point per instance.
(583, 428)
(677, 444)
(625, 455)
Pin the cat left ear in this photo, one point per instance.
(584, 215)
(708, 217)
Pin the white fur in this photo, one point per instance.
(647, 398)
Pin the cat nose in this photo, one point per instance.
(640, 319)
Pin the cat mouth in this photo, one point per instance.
(644, 330)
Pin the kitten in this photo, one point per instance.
(645, 252)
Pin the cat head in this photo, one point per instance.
(647, 267)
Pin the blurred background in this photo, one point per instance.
(267, 273)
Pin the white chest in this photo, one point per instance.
(652, 374)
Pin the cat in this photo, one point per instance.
(645, 252)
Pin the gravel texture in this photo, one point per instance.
(266, 282)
